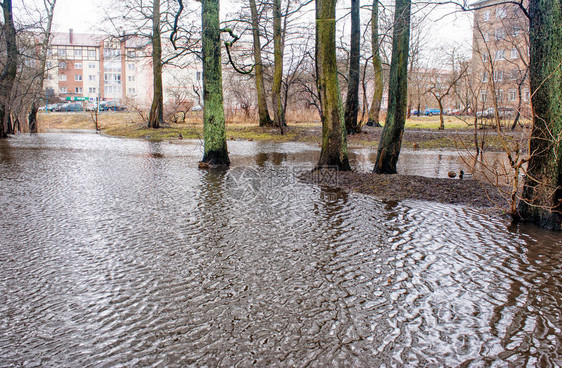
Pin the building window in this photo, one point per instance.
(500, 34)
(131, 78)
(500, 54)
(62, 77)
(501, 12)
(78, 77)
(499, 95)
(486, 16)
(92, 77)
(483, 95)
(199, 76)
(131, 66)
(78, 90)
(526, 95)
(514, 53)
(92, 66)
(92, 90)
(62, 65)
(78, 53)
(484, 58)
(91, 53)
(131, 54)
(77, 65)
(486, 37)
(50, 77)
(498, 75)
(62, 89)
(62, 53)
(512, 96)
(131, 91)
(49, 65)
(484, 77)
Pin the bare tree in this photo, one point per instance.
(49, 9)
(9, 71)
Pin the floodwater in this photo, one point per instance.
(121, 253)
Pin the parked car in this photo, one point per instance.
(431, 112)
(196, 108)
(90, 107)
(457, 112)
(414, 112)
(503, 112)
(111, 105)
(73, 107)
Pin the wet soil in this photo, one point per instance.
(469, 192)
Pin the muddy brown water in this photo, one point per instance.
(121, 253)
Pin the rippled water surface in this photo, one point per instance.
(121, 253)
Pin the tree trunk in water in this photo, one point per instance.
(352, 99)
(542, 192)
(214, 126)
(334, 139)
(156, 116)
(278, 67)
(9, 71)
(263, 112)
(374, 112)
(32, 118)
(391, 138)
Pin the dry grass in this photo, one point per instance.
(302, 127)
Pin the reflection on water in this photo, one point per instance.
(118, 252)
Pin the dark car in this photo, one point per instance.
(70, 107)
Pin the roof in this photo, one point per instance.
(78, 39)
(90, 39)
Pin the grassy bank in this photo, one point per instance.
(421, 132)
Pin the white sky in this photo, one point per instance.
(86, 15)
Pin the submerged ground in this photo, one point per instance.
(120, 252)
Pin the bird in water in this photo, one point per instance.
(180, 136)
(462, 175)
(451, 174)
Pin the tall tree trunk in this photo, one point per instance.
(334, 138)
(156, 116)
(542, 193)
(352, 99)
(32, 119)
(391, 138)
(278, 65)
(214, 126)
(265, 120)
(9, 71)
(374, 112)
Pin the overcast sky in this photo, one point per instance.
(86, 16)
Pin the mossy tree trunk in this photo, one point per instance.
(263, 112)
(9, 71)
(278, 65)
(391, 138)
(214, 126)
(156, 116)
(352, 99)
(542, 193)
(334, 139)
(374, 111)
(32, 118)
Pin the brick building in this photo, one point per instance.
(500, 56)
(87, 65)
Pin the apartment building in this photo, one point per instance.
(500, 56)
(96, 66)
